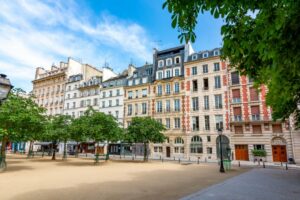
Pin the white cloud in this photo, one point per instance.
(39, 33)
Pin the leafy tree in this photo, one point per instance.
(77, 131)
(58, 130)
(260, 38)
(145, 130)
(21, 120)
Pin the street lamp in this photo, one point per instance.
(221, 150)
(5, 87)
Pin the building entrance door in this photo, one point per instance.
(168, 152)
(279, 153)
(241, 152)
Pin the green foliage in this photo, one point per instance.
(145, 130)
(259, 152)
(260, 38)
(58, 128)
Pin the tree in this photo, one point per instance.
(58, 130)
(101, 127)
(77, 130)
(260, 38)
(145, 130)
(21, 120)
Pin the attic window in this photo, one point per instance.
(216, 52)
(205, 55)
(194, 57)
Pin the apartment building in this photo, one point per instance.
(49, 85)
(206, 80)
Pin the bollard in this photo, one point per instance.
(239, 164)
(120, 156)
(179, 160)
(162, 160)
(86, 155)
(281, 163)
(264, 166)
(198, 161)
(286, 166)
(205, 160)
(132, 157)
(160, 157)
(174, 157)
(189, 158)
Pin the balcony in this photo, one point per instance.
(255, 117)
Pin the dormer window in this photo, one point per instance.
(194, 57)
(216, 52)
(205, 55)
(160, 63)
(169, 61)
(177, 60)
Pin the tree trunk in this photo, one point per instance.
(54, 150)
(3, 164)
(145, 152)
(76, 150)
(65, 150)
(30, 151)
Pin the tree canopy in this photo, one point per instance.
(260, 38)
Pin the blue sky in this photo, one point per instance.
(39, 33)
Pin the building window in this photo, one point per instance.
(259, 147)
(236, 96)
(194, 57)
(158, 106)
(237, 113)
(67, 105)
(144, 108)
(195, 123)
(136, 94)
(130, 94)
(196, 144)
(217, 82)
(177, 105)
(209, 150)
(218, 101)
(136, 109)
(157, 149)
(95, 101)
(144, 92)
(118, 92)
(195, 103)
(253, 94)
(219, 121)
(168, 106)
(194, 70)
(159, 90)
(235, 78)
(195, 85)
(256, 129)
(88, 102)
(238, 130)
(129, 108)
(208, 139)
(117, 114)
(176, 87)
(216, 66)
(169, 61)
(160, 75)
(168, 88)
(168, 123)
(216, 52)
(179, 140)
(177, 72)
(205, 55)
(168, 74)
(110, 103)
(206, 102)
(255, 113)
(74, 104)
(205, 68)
(277, 128)
(177, 60)
(206, 122)
(205, 84)
(117, 102)
(177, 122)
(160, 63)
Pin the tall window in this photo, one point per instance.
(169, 62)
(217, 82)
(177, 60)
(168, 106)
(159, 90)
(95, 101)
(195, 121)
(196, 144)
(253, 94)
(218, 101)
(177, 122)
(103, 94)
(176, 87)
(206, 102)
(236, 96)
(103, 104)
(205, 84)
(216, 66)
(130, 94)
(177, 105)
(117, 114)
(144, 93)
(195, 85)
(168, 123)
(118, 92)
(129, 108)
(168, 74)
(235, 78)
(177, 72)
(136, 94)
(168, 88)
(136, 109)
(195, 103)
(205, 68)
(206, 122)
(144, 108)
(110, 103)
(160, 75)
(194, 70)
(255, 113)
(110, 93)
(160, 63)
(237, 113)
(158, 106)
(219, 121)
(117, 102)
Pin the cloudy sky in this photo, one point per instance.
(39, 33)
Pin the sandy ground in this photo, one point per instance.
(41, 178)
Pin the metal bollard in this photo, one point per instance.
(160, 157)
(239, 164)
(286, 166)
(179, 160)
(174, 157)
(205, 160)
(281, 163)
(162, 160)
(132, 157)
(198, 161)
(264, 166)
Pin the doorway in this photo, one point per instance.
(279, 153)
(168, 152)
(241, 152)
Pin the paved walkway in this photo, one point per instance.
(257, 184)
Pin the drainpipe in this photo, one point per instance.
(290, 129)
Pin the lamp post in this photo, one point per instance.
(221, 151)
(5, 88)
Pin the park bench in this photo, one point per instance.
(101, 157)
